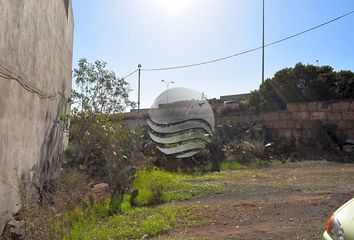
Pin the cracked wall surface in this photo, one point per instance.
(36, 43)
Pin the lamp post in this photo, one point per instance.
(263, 45)
(139, 71)
(167, 85)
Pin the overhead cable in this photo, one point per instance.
(247, 51)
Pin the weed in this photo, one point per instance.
(157, 186)
(232, 165)
(135, 223)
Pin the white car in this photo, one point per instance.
(340, 226)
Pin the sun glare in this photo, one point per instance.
(174, 6)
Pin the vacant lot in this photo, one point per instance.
(284, 201)
(287, 201)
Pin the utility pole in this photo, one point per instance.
(263, 47)
(139, 70)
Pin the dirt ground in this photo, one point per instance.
(292, 201)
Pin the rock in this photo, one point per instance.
(16, 233)
(15, 229)
(16, 223)
(18, 216)
(133, 194)
(100, 192)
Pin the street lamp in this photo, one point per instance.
(167, 85)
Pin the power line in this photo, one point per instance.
(310, 29)
(247, 51)
(130, 74)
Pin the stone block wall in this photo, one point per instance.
(297, 122)
(300, 119)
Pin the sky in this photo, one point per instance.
(163, 33)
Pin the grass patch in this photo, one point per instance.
(157, 186)
(228, 175)
(134, 223)
(232, 165)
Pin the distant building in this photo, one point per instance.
(234, 98)
(142, 110)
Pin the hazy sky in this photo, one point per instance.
(162, 33)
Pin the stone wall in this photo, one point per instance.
(36, 43)
(297, 122)
(300, 119)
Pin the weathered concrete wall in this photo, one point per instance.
(36, 48)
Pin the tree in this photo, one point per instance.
(302, 83)
(99, 90)
(105, 148)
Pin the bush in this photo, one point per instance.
(302, 83)
(106, 150)
(237, 142)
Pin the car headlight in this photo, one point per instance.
(334, 228)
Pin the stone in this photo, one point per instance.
(16, 233)
(285, 116)
(303, 107)
(300, 116)
(318, 116)
(291, 124)
(280, 124)
(324, 106)
(309, 124)
(307, 134)
(257, 117)
(292, 107)
(296, 134)
(100, 192)
(312, 106)
(285, 133)
(348, 115)
(345, 124)
(333, 116)
(18, 216)
(340, 106)
(15, 228)
(271, 116)
(16, 223)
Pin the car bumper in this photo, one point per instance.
(326, 236)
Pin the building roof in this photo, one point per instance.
(235, 97)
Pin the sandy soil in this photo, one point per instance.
(292, 201)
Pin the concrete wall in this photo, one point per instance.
(36, 50)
